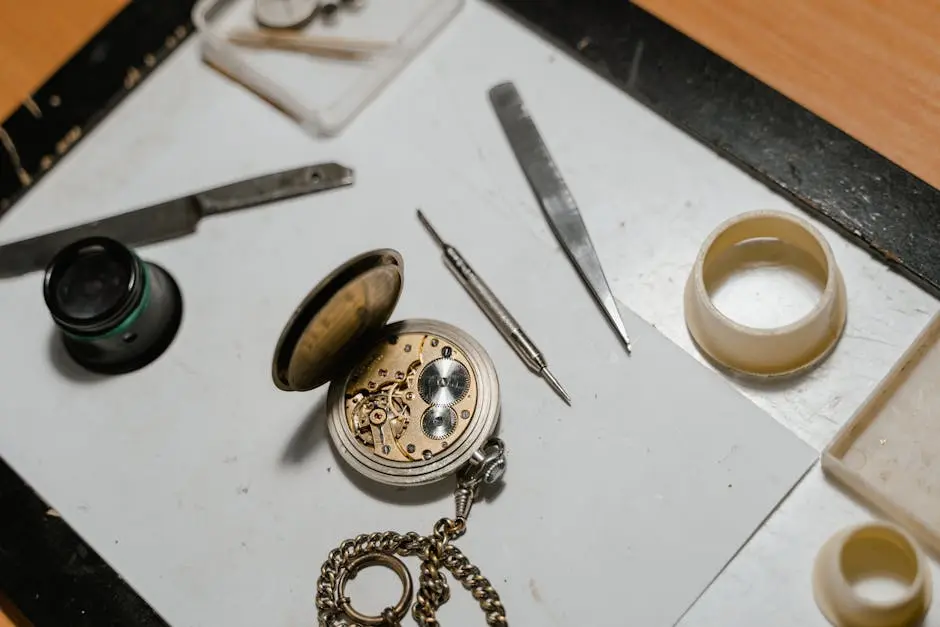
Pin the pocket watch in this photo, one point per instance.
(409, 403)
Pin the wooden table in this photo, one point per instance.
(10, 616)
(39, 36)
(868, 67)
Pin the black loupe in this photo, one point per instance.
(116, 312)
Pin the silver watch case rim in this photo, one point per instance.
(486, 415)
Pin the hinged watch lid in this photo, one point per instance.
(354, 301)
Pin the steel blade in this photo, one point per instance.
(135, 228)
(173, 218)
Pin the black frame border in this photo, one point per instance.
(82, 92)
(51, 575)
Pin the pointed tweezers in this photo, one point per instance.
(556, 200)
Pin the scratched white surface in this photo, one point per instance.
(649, 195)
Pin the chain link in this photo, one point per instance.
(437, 554)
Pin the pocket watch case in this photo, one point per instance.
(410, 402)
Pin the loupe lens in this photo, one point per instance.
(90, 285)
(117, 313)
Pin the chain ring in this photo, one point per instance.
(437, 555)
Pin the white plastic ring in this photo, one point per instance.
(879, 549)
(765, 352)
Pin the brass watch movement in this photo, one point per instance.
(409, 403)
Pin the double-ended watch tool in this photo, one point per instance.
(495, 311)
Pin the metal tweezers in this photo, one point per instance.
(558, 204)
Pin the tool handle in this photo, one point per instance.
(271, 187)
(494, 309)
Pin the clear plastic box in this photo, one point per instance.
(322, 94)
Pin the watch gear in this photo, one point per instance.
(439, 422)
(444, 381)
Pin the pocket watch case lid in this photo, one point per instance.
(343, 311)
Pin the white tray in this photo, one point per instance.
(322, 95)
(889, 452)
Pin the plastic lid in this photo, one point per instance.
(754, 351)
(859, 553)
(354, 301)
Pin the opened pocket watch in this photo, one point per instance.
(409, 403)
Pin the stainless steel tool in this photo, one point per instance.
(495, 311)
(556, 200)
(176, 217)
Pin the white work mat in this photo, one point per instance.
(217, 496)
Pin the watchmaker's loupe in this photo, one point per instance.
(116, 312)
